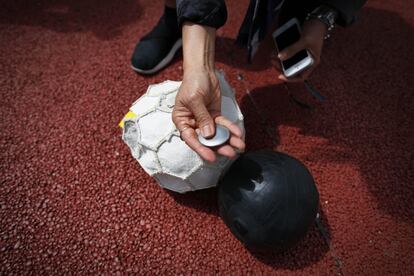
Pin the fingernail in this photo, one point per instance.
(206, 131)
(281, 55)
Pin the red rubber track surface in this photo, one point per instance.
(72, 199)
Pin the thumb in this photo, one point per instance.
(203, 118)
(291, 50)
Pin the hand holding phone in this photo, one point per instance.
(301, 51)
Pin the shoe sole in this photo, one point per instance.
(164, 62)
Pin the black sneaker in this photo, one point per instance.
(156, 49)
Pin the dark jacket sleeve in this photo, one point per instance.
(347, 9)
(212, 13)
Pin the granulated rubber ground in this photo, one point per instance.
(73, 200)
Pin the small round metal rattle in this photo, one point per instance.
(222, 136)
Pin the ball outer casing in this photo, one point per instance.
(268, 200)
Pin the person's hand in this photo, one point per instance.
(197, 108)
(312, 39)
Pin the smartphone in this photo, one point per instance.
(285, 36)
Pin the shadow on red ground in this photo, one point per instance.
(308, 251)
(382, 150)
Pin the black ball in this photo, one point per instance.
(268, 200)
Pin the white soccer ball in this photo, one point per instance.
(155, 141)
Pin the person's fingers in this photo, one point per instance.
(233, 128)
(190, 137)
(192, 123)
(236, 134)
(227, 150)
(282, 77)
(297, 78)
(237, 143)
(203, 118)
(182, 122)
(291, 50)
(275, 61)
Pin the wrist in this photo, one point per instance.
(198, 47)
(196, 73)
(316, 26)
(324, 15)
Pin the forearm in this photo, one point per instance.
(198, 47)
